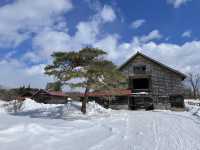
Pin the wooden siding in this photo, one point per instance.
(164, 82)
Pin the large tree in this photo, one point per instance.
(88, 67)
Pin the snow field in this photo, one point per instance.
(100, 129)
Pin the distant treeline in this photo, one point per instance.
(15, 93)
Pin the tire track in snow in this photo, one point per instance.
(118, 134)
(156, 135)
(178, 133)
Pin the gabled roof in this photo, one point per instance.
(154, 61)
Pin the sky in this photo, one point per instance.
(30, 31)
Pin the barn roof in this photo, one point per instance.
(51, 93)
(154, 61)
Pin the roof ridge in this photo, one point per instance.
(153, 60)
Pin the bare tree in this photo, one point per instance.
(194, 81)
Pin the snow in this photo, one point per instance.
(99, 129)
(193, 106)
(2, 103)
(141, 93)
(55, 111)
(30, 104)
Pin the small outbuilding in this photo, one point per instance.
(50, 97)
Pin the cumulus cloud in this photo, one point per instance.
(108, 14)
(22, 17)
(31, 57)
(187, 34)
(50, 38)
(109, 44)
(49, 41)
(177, 3)
(15, 74)
(86, 34)
(35, 70)
(153, 35)
(137, 23)
(170, 54)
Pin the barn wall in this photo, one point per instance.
(57, 100)
(164, 82)
(47, 99)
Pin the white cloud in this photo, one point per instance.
(35, 70)
(137, 23)
(109, 44)
(108, 14)
(121, 51)
(153, 35)
(187, 34)
(31, 57)
(15, 74)
(87, 33)
(177, 3)
(51, 38)
(50, 41)
(20, 18)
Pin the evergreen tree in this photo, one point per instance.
(89, 67)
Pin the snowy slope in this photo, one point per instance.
(120, 130)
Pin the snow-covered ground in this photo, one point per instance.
(193, 106)
(61, 127)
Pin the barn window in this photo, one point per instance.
(139, 69)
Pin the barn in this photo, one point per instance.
(151, 84)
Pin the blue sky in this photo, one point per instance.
(167, 30)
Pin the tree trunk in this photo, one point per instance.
(84, 101)
(194, 94)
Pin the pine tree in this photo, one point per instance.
(89, 67)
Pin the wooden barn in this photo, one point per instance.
(50, 97)
(151, 84)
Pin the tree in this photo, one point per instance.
(23, 90)
(54, 86)
(194, 80)
(88, 67)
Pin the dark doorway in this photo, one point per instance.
(141, 83)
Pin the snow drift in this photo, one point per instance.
(56, 111)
